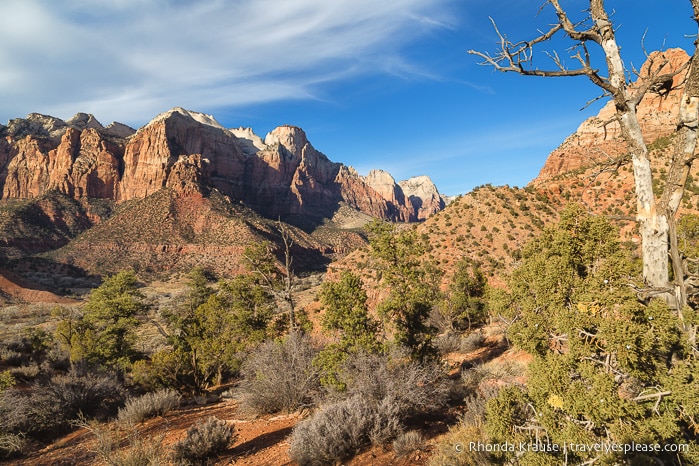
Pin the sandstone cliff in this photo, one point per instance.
(79, 157)
(423, 195)
(280, 176)
(598, 138)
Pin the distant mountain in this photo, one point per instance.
(79, 199)
(280, 176)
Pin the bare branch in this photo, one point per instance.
(611, 165)
(571, 29)
(651, 396)
(592, 101)
(516, 57)
(655, 80)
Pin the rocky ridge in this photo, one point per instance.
(282, 175)
(491, 224)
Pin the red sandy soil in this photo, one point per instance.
(17, 288)
(261, 441)
(265, 440)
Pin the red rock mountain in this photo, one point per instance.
(491, 224)
(189, 152)
(598, 138)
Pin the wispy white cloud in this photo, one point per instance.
(130, 59)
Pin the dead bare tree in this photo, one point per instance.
(288, 277)
(279, 282)
(595, 34)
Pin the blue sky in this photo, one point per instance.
(374, 84)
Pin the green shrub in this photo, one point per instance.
(203, 441)
(453, 449)
(6, 380)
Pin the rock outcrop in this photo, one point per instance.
(280, 176)
(78, 157)
(599, 137)
(423, 196)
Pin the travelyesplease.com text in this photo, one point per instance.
(605, 447)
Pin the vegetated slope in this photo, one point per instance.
(35, 225)
(168, 232)
(490, 224)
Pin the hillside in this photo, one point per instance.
(179, 192)
(490, 224)
(166, 233)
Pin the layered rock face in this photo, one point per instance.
(423, 195)
(599, 137)
(79, 157)
(190, 152)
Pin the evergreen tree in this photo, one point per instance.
(209, 340)
(412, 283)
(347, 316)
(465, 304)
(105, 333)
(608, 368)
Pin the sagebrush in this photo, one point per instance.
(341, 429)
(149, 405)
(279, 376)
(203, 441)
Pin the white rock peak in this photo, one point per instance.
(202, 118)
(251, 142)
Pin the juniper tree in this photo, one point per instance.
(607, 368)
(347, 317)
(210, 339)
(465, 303)
(411, 282)
(105, 332)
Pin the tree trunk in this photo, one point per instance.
(652, 224)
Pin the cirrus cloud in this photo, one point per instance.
(128, 60)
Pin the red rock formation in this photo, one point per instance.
(188, 152)
(423, 195)
(26, 174)
(598, 138)
(384, 184)
(42, 153)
